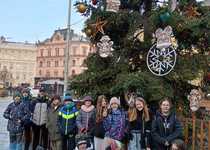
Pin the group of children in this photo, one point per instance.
(106, 126)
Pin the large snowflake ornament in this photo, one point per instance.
(161, 61)
(105, 46)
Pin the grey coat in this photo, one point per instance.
(51, 125)
(86, 119)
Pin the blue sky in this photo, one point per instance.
(32, 20)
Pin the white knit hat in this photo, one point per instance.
(114, 100)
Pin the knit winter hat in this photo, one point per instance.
(114, 100)
(67, 98)
(17, 94)
(87, 98)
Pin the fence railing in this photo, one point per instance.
(196, 133)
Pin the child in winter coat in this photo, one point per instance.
(52, 126)
(139, 125)
(17, 114)
(39, 119)
(165, 127)
(83, 143)
(86, 117)
(67, 123)
(178, 144)
(115, 125)
(101, 112)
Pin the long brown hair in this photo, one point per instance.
(132, 111)
(99, 108)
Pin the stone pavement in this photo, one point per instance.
(4, 135)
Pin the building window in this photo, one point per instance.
(47, 74)
(73, 72)
(17, 77)
(84, 50)
(55, 73)
(40, 64)
(74, 63)
(24, 77)
(56, 51)
(41, 52)
(48, 64)
(40, 72)
(11, 66)
(74, 48)
(56, 63)
(49, 52)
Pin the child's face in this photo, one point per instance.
(17, 99)
(174, 147)
(88, 103)
(82, 147)
(114, 106)
(165, 107)
(104, 103)
(139, 105)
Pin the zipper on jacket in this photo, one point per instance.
(66, 122)
(40, 114)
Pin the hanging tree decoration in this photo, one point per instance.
(105, 46)
(194, 97)
(81, 7)
(112, 5)
(161, 57)
(98, 26)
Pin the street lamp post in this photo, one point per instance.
(66, 54)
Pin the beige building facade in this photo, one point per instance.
(19, 61)
(50, 56)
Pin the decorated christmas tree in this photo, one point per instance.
(151, 48)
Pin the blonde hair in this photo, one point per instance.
(99, 108)
(132, 111)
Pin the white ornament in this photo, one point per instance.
(105, 46)
(112, 5)
(161, 61)
(194, 97)
(163, 37)
(161, 57)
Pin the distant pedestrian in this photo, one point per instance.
(17, 114)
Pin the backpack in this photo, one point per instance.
(40, 114)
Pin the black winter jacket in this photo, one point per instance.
(165, 129)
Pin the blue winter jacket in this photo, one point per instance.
(15, 112)
(67, 119)
(116, 125)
